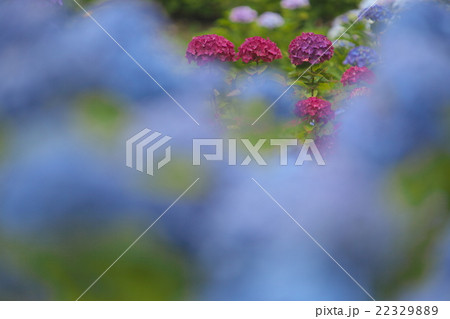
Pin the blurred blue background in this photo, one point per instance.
(70, 98)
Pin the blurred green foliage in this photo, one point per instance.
(154, 269)
(100, 116)
(210, 10)
(151, 270)
(321, 81)
(296, 22)
(420, 184)
(327, 10)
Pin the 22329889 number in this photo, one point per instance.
(407, 311)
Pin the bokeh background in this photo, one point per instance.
(70, 98)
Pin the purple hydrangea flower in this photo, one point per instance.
(57, 2)
(377, 13)
(361, 56)
(311, 48)
(294, 4)
(243, 14)
(270, 20)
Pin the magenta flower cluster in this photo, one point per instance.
(307, 48)
(257, 49)
(212, 47)
(208, 48)
(314, 109)
(355, 74)
(311, 48)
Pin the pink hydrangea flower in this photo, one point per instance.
(210, 47)
(257, 49)
(355, 74)
(314, 109)
(310, 47)
(243, 14)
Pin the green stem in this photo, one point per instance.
(214, 104)
(312, 73)
(213, 99)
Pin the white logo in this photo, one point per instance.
(142, 140)
(147, 143)
(253, 151)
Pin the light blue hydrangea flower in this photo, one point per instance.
(270, 20)
(377, 13)
(361, 56)
(294, 4)
(243, 14)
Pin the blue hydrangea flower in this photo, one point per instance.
(377, 13)
(294, 4)
(361, 56)
(270, 20)
(243, 14)
(36, 75)
(343, 44)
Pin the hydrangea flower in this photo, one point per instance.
(257, 49)
(356, 74)
(377, 13)
(310, 47)
(243, 14)
(270, 20)
(361, 91)
(210, 47)
(315, 109)
(294, 4)
(338, 25)
(361, 56)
